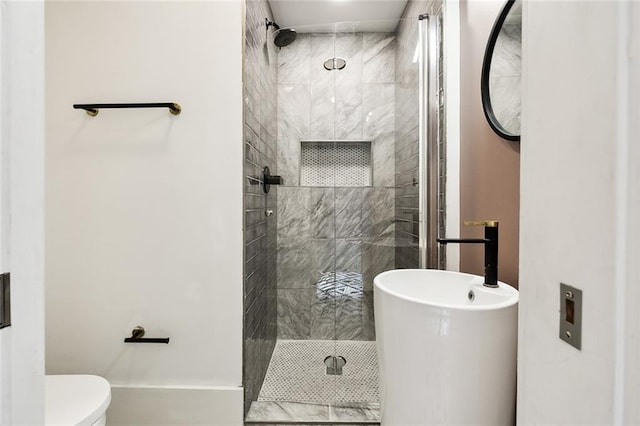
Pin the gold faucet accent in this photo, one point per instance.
(486, 223)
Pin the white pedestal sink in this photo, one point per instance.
(447, 348)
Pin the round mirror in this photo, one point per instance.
(500, 83)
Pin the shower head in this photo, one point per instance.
(285, 37)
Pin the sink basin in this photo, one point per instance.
(447, 347)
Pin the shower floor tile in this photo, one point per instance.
(296, 387)
(297, 373)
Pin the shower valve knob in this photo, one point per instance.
(268, 179)
(274, 180)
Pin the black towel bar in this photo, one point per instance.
(147, 340)
(137, 337)
(93, 109)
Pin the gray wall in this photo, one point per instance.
(406, 147)
(346, 230)
(260, 108)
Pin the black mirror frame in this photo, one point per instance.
(486, 67)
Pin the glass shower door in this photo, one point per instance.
(363, 70)
(348, 150)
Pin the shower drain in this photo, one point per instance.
(334, 365)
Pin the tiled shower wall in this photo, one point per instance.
(407, 135)
(333, 241)
(260, 130)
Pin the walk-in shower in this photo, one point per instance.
(355, 157)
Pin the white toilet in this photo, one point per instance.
(76, 400)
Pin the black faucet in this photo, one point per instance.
(490, 242)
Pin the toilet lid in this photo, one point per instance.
(75, 399)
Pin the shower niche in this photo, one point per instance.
(335, 163)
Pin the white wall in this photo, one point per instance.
(144, 209)
(579, 209)
(628, 327)
(22, 215)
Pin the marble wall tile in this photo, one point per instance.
(379, 58)
(252, 265)
(377, 257)
(322, 48)
(348, 257)
(294, 313)
(407, 257)
(323, 212)
(336, 302)
(407, 156)
(294, 103)
(349, 47)
(406, 108)
(348, 82)
(293, 61)
(251, 118)
(348, 109)
(271, 124)
(349, 314)
(338, 105)
(384, 214)
(378, 102)
(323, 308)
(294, 218)
(348, 212)
(378, 212)
(294, 121)
(383, 160)
(407, 179)
(254, 248)
(368, 213)
(322, 109)
(288, 159)
(293, 266)
(323, 258)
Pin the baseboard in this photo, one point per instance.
(175, 405)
